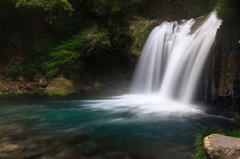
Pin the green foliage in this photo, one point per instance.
(200, 153)
(24, 70)
(71, 55)
(227, 8)
(237, 116)
(112, 8)
(45, 4)
(140, 30)
(62, 61)
(48, 5)
(175, 9)
(94, 38)
(224, 9)
(234, 133)
(63, 58)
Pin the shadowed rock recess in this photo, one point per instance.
(221, 147)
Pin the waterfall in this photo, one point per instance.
(173, 59)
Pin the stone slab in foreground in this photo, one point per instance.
(221, 147)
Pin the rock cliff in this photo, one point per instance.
(223, 84)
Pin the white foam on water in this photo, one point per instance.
(143, 105)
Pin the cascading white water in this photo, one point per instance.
(169, 68)
(173, 58)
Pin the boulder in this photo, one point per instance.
(60, 86)
(221, 147)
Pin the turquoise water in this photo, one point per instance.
(129, 126)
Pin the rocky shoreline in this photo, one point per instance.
(57, 86)
(11, 87)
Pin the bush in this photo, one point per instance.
(25, 70)
(71, 55)
(227, 8)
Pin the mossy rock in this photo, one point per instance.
(140, 29)
(60, 86)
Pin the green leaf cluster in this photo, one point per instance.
(45, 4)
(224, 9)
(25, 70)
(71, 56)
(62, 58)
(48, 5)
(227, 8)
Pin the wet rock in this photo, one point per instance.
(221, 147)
(60, 86)
(68, 153)
(116, 155)
(224, 78)
(21, 155)
(12, 148)
(77, 137)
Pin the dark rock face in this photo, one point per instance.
(221, 147)
(223, 85)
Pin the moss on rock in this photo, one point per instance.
(140, 29)
(60, 86)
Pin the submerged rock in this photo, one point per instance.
(221, 147)
(77, 137)
(12, 148)
(60, 86)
